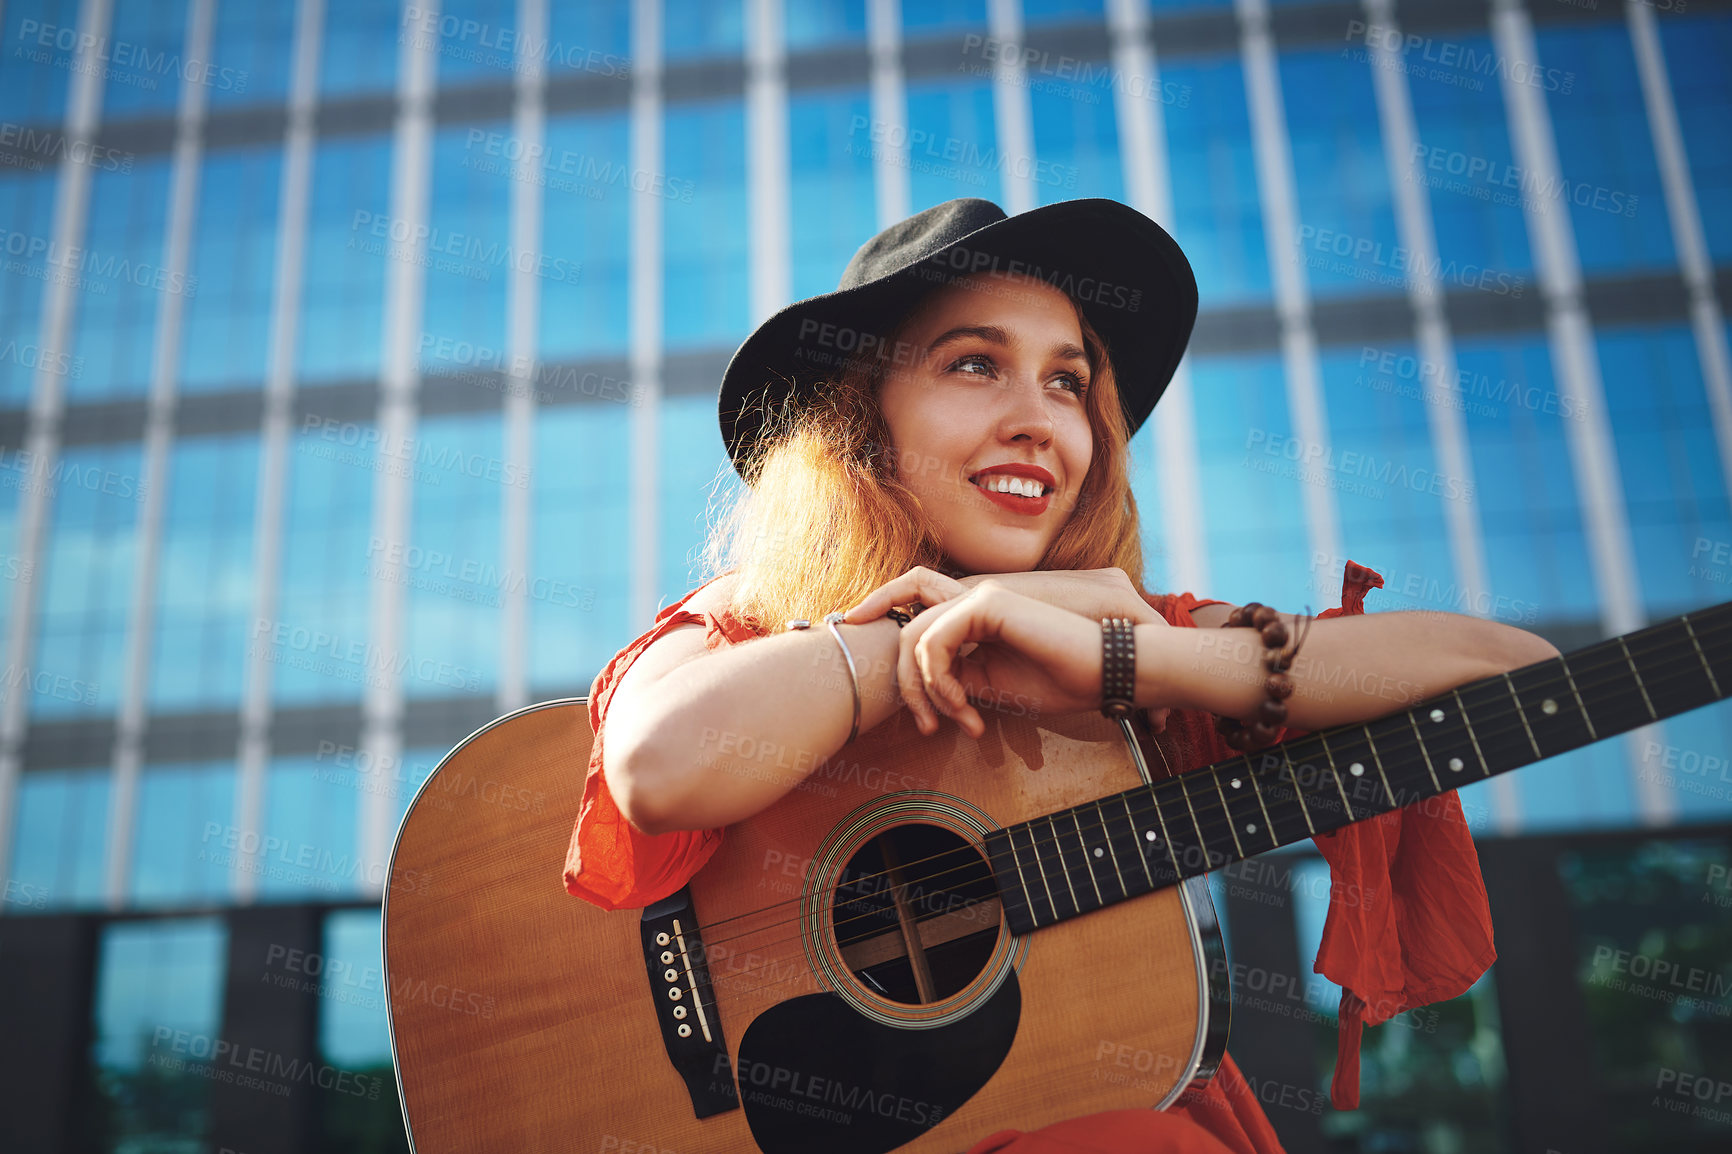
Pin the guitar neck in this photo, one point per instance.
(1151, 837)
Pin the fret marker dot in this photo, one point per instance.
(1150, 834)
(1098, 852)
(1548, 707)
(1437, 715)
(1356, 769)
(1234, 783)
(1250, 827)
(1455, 764)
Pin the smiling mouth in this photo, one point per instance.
(1013, 496)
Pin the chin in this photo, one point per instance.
(996, 557)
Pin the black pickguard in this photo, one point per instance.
(817, 1076)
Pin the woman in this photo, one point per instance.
(949, 430)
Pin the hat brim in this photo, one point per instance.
(1125, 273)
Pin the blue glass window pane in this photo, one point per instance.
(227, 330)
(59, 841)
(1697, 47)
(1536, 553)
(204, 584)
(1605, 153)
(36, 54)
(26, 224)
(317, 646)
(934, 16)
(1076, 139)
(451, 565)
(475, 40)
(417, 765)
(1669, 464)
(144, 57)
(1384, 479)
(1346, 242)
(1217, 216)
(250, 53)
(353, 1031)
(1464, 160)
(952, 142)
(310, 813)
(705, 235)
(1687, 762)
(349, 239)
(693, 28)
(1063, 11)
(86, 583)
(693, 464)
(1253, 519)
(185, 842)
(121, 280)
(825, 23)
(580, 548)
(469, 257)
(592, 37)
(586, 229)
(361, 43)
(832, 185)
(158, 1011)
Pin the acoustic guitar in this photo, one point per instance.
(927, 940)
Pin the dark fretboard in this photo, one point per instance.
(1104, 851)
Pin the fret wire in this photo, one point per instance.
(1232, 822)
(1268, 822)
(1582, 705)
(1381, 776)
(1426, 753)
(1339, 788)
(1178, 870)
(1202, 842)
(1297, 792)
(1041, 866)
(1632, 662)
(1701, 656)
(1058, 846)
(1471, 736)
(1017, 862)
(1107, 836)
(1088, 858)
(1130, 815)
(1522, 713)
(1377, 758)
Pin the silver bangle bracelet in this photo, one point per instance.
(833, 620)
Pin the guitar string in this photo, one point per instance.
(976, 862)
(1176, 787)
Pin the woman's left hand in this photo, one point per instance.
(1021, 651)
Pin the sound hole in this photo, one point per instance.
(916, 914)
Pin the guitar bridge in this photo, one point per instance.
(685, 1009)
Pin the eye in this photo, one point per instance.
(975, 359)
(1074, 383)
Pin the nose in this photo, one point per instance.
(1025, 412)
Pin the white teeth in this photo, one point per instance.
(1021, 486)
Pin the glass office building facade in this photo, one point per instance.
(357, 385)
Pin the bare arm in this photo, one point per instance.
(698, 739)
(1350, 668)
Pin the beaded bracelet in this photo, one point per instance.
(1272, 710)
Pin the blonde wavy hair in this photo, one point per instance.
(825, 519)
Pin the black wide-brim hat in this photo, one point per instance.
(1126, 275)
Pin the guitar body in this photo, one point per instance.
(842, 973)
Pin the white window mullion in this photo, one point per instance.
(887, 135)
(1011, 108)
(644, 289)
(48, 402)
(767, 162)
(1148, 184)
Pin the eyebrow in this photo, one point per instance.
(996, 335)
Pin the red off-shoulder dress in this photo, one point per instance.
(1425, 938)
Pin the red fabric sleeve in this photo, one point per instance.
(1409, 922)
(610, 862)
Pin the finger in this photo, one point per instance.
(910, 685)
(918, 584)
(935, 654)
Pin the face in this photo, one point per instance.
(993, 399)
